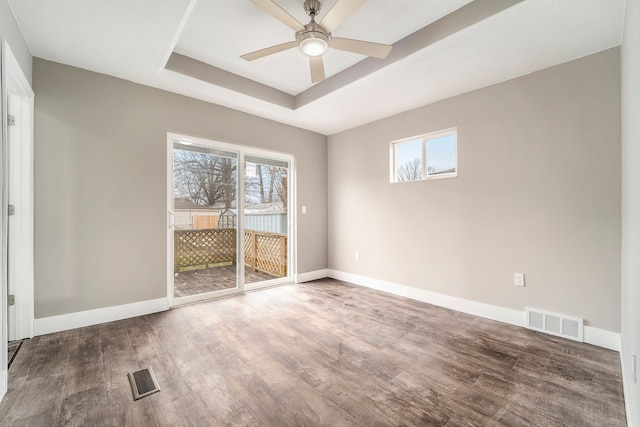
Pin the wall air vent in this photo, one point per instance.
(555, 324)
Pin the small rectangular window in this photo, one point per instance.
(429, 156)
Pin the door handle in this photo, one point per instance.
(171, 219)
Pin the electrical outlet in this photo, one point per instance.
(357, 255)
(518, 279)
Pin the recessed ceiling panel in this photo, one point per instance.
(219, 31)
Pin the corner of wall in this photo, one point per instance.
(630, 298)
(627, 384)
(595, 336)
(10, 31)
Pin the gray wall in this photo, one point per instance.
(538, 192)
(10, 31)
(631, 200)
(100, 153)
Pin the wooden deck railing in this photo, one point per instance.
(265, 252)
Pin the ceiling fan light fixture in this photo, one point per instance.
(313, 43)
(313, 40)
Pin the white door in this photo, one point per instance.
(3, 283)
(13, 243)
(18, 199)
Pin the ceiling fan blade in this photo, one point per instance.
(339, 12)
(279, 13)
(268, 51)
(317, 69)
(377, 50)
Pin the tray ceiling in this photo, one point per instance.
(441, 49)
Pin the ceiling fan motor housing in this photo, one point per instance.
(313, 40)
(312, 7)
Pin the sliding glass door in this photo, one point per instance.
(229, 221)
(266, 218)
(205, 249)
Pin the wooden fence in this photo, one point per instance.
(201, 222)
(265, 252)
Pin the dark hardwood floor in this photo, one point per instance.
(320, 353)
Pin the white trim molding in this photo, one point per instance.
(3, 383)
(627, 384)
(63, 322)
(311, 275)
(20, 98)
(602, 338)
(595, 336)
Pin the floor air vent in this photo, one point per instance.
(555, 324)
(143, 383)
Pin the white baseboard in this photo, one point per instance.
(602, 338)
(311, 275)
(501, 314)
(595, 336)
(48, 325)
(627, 382)
(3, 383)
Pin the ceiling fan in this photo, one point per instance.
(315, 38)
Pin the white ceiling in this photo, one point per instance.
(246, 28)
(133, 39)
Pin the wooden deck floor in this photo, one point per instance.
(197, 282)
(321, 353)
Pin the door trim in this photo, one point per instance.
(242, 150)
(22, 276)
(13, 81)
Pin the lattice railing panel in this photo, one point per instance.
(204, 247)
(249, 248)
(266, 252)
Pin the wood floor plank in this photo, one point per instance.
(173, 385)
(123, 412)
(116, 366)
(87, 407)
(397, 406)
(181, 412)
(38, 399)
(220, 403)
(305, 405)
(320, 353)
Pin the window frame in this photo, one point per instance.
(424, 140)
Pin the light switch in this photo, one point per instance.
(304, 210)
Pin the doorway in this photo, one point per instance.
(16, 212)
(229, 219)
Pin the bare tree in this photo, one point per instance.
(272, 182)
(228, 181)
(261, 183)
(269, 185)
(204, 179)
(410, 171)
(283, 192)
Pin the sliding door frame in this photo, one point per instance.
(241, 151)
